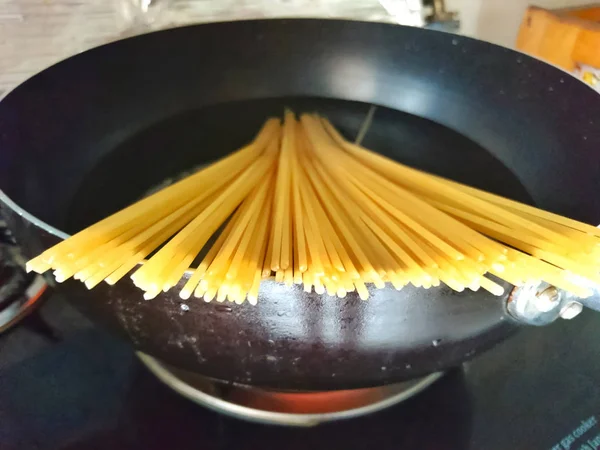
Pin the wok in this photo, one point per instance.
(94, 132)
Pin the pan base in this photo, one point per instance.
(291, 408)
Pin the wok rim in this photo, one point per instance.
(31, 218)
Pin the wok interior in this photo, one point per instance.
(173, 146)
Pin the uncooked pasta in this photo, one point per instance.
(303, 204)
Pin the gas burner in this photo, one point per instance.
(295, 408)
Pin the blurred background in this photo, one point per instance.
(36, 33)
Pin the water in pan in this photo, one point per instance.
(171, 180)
(166, 151)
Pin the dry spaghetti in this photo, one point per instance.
(302, 203)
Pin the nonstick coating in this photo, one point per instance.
(91, 134)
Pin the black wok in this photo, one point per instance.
(94, 132)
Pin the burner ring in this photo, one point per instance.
(283, 408)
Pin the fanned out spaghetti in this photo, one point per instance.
(302, 203)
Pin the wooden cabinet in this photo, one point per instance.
(564, 37)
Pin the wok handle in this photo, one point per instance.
(541, 304)
(592, 302)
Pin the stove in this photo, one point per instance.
(292, 408)
(538, 390)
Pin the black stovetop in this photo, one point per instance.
(536, 391)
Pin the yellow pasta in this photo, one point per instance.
(304, 205)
